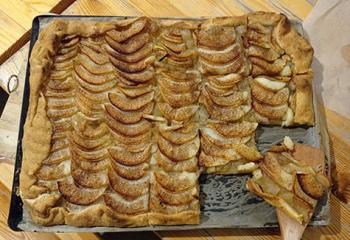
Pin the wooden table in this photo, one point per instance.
(339, 126)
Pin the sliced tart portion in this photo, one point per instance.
(229, 148)
(291, 179)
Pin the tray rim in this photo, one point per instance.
(16, 204)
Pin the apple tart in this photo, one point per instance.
(124, 115)
(290, 182)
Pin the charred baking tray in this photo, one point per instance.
(225, 201)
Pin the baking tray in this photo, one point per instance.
(225, 201)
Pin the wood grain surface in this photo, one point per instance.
(16, 21)
(339, 126)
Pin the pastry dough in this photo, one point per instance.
(119, 111)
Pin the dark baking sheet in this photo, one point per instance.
(225, 202)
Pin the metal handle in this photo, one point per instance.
(10, 85)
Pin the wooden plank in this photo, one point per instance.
(107, 8)
(194, 8)
(23, 12)
(16, 20)
(9, 31)
(6, 169)
(183, 235)
(259, 5)
(157, 8)
(245, 234)
(9, 120)
(300, 8)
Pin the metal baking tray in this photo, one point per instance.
(225, 201)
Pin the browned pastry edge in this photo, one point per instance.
(186, 217)
(95, 215)
(287, 38)
(294, 45)
(225, 21)
(304, 112)
(38, 130)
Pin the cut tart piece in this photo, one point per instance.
(291, 178)
(174, 181)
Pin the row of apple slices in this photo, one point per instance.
(272, 100)
(60, 107)
(178, 84)
(263, 51)
(174, 183)
(131, 150)
(60, 88)
(220, 49)
(89, 162)
(179, 90)
(130, 154)
(130, 51)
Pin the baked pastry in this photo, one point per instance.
(281, 70)
(124, 115)
(90, 90)
(289, 182)
(225, 97)
(174, 186)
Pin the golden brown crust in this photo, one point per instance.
(264, 18)
(294, 45)
(304, 112)
(234, 21)
(188, 217)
